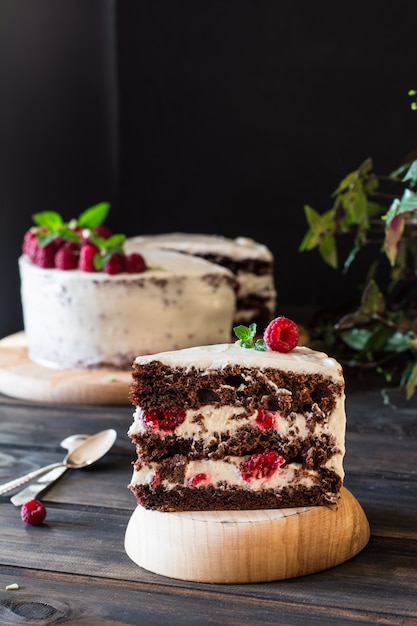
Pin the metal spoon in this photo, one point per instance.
(87, 453)
(45, 481)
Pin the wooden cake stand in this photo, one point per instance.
(247, 546)
(21, 378)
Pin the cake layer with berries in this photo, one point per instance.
(251, 262)
(89, 320)
(223, 427)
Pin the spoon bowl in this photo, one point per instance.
(90, 450)
(87, 453)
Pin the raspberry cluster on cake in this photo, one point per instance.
(88, 303)
(251, 262)
(244, 425)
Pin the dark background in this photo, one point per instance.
(225, 116)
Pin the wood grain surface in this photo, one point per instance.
(247, 546)
(74, 568)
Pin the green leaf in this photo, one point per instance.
(398, 342)
(260, 345)
(246, 335)
(356, 338)
(94, 216)
(327, 249)
(378, 339)
(411, 381)
(411, 174)
(48, 219)
(373, 301)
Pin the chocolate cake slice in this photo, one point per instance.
(224, 427)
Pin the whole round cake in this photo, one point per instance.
(88, 304)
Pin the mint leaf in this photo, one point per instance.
(48, 219)
(245, 335)
(94, 216)
(260, 345)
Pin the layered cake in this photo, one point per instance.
(87, 304)
(251, 262)
(243, 425)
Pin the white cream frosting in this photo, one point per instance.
(300, 360)
(236, 249)
(79, 320)
(196, 243)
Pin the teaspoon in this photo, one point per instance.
(88, 452)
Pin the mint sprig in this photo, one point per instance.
(53, 225)
(246, 337)
(107, 247)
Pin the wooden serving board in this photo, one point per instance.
(20, 377)
(247, 546)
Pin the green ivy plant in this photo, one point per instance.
(378, 213)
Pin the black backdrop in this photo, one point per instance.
(222, 117)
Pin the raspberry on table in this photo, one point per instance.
(281, 335)
(33, 512)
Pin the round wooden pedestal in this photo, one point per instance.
(22, 378)
(247, 546)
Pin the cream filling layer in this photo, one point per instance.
(218, 473)
(202, 423)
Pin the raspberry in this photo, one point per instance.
(33, 512)
(103, 231)
(67, 256)
(30, 244)
(86, 261)
(163, 420)
(261, 465)
(135, 263)
(265, 419)
(45, 257)
(197, 479)
(281, 335)
(115, 265)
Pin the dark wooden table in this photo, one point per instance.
(73, 569)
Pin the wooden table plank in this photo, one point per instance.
(75, 566)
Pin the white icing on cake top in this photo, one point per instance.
(195, 243)
(300, 360)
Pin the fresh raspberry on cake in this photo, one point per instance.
(67, 256)
(87, 254)
(45, 256)
(281, 334)
(115, 265)
(135, 263)
(30, 244)
(103, 231)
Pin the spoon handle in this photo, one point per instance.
(18, 482)
(38, 486)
